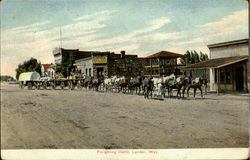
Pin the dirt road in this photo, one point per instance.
(87, 119)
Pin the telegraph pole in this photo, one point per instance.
(60, 37)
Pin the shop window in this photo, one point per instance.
(222, 75)
(225, 75)
(228, 74)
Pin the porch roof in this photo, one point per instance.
(216, 63)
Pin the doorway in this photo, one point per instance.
(100, 72)
(239, 78)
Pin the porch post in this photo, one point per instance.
(218, 81)
(246, 76)
(151, 67)
(204, 73)
(159, 66)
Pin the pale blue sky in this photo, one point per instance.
(32, 27)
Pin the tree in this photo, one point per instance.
(193, 57)
(67, 64)
(32, 65)
(6, 78)
(203, 57)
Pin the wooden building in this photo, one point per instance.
(228, 65)
(162, 63)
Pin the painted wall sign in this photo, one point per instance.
(99, 60)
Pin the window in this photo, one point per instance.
(86, 73)
(90, 72)
(117, 70)
(222, 75)
(228, 74)
(225, 75)
(129, 69)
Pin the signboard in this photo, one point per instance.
(100, 60)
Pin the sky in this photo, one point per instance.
(31, 28)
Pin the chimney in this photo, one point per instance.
(122, 54)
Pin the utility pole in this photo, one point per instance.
(60, 37)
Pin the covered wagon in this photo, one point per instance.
(29, 79)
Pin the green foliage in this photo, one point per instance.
(193, 57)
(6, 78)
(31, 65)
(67, 64)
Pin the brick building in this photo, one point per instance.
(108, 64)
(61, 53)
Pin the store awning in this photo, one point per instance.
(216, 63)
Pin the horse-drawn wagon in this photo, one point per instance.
(29, 79)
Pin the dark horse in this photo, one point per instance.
(177, 83)
(197, 84)
(135, 84)
(96, 83)
(148, 86)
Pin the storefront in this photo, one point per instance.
(228, 65)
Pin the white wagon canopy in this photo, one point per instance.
(29, 76)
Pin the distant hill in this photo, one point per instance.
(6, 78)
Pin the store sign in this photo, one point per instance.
(100, 60)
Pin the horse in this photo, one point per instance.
(96, 83)
(148, 86)
(122, 84)
(178, 83)
(87, 82)
(109, 82)
(198, 83)
(135, 84)
(159, 86)
(204, 82)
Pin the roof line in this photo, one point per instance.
(223, 65)
(190, 67)
(241, 41)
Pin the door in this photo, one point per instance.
(239, 78)
(99, 72)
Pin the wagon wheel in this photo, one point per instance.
(29, 85)
(37, 85)
(62, 85)
(21, 85)
(45, 85)
(53, 85)
(79, 85)
(70, 84)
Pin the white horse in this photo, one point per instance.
(159, 86)
(110, 82)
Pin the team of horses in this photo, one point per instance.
(147, 86)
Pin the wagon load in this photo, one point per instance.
(29, 79)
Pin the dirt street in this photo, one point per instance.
(86, 119)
